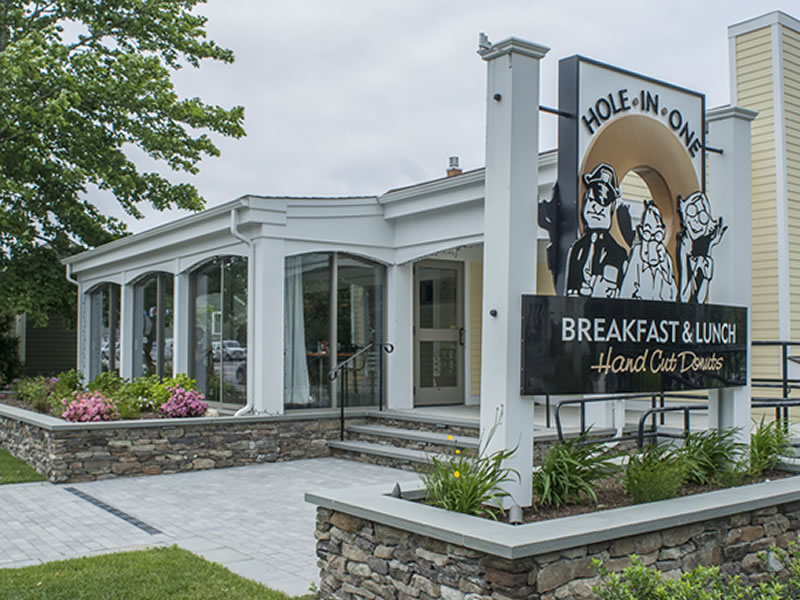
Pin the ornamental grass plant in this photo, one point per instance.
(571, 470)
(469, 483)
(711, 455)
(768, 443)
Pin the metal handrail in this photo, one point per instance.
(686, 409)
(784, 383)
(343, 367)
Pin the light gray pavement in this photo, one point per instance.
(253, 520)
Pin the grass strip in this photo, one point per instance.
(14, 470)
(155, 574)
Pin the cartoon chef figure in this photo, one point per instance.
(699, 234)
(649, 274)
(596, 261)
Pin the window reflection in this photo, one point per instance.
(104, 329)
(153, 318)
(219, 329)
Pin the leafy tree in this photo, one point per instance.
(81, 83)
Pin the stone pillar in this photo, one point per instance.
(126, 331)
(182, 350)
(265, 307)
(399, 332)
(509, 251)
(729, 193)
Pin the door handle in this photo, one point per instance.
(461, 336)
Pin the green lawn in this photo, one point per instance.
(157, 574)
(13, 470)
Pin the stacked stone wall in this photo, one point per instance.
(362, 559)
(90, 453)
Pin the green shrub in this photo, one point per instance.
(146, 394)
(181, 380)
(63, 386)
(34, 391)
(768, 443)
(108, 383)
(638, 582)
(655, 474)
(711, 455)
(570, 471)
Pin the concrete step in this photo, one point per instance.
(413, 439)
(436, 423)
(381, 454)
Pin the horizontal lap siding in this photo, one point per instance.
(791, 81)
(755, 91)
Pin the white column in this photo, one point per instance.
(126, 329)
(729, 193)
(265, 292)
(182, 352)
(509, 251)
(399, 332)
(83, 331)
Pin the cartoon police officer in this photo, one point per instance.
(596, 262)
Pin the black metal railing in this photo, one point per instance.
(784, 383)
(344, 369)
(657, 408)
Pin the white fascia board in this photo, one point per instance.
(346, 208)
(776, 17)
(156, 232)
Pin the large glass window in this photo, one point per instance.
(333, 301)
(219, 329)
(152, 327)
(104, 329)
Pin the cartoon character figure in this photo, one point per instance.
(596, 261)
(699, 234)
(649, 274)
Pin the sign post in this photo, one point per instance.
(509, 260)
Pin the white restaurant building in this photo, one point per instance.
(261, 297)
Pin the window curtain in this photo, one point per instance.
(296, 388)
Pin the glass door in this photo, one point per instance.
(438, 333)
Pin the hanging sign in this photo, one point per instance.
(635, 274)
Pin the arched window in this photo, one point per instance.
(104, 303)
(333, 310)
(218, 330)
(152, 325)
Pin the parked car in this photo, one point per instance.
(231, 350)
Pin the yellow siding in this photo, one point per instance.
(755, 91)
(633, 187)
(791, 83)
(475, 312)
(544, 280)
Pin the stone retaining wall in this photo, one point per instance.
(362, 558)
(66, 452)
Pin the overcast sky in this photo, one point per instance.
(355, 97)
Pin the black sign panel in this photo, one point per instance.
(575, 345)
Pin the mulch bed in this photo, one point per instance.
(611, 494)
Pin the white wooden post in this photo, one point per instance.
(509, 251)
(729, 193)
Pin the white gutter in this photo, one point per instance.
(69, 276)
(248, 407)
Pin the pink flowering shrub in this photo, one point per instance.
(89, 406)
(184, 403)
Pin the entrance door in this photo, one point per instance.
(438, 333)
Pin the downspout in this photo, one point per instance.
(248, 407)
(72, 280)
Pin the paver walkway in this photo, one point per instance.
(253, 519)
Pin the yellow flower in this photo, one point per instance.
(449, 437)
(458, 451)
(456, 474)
